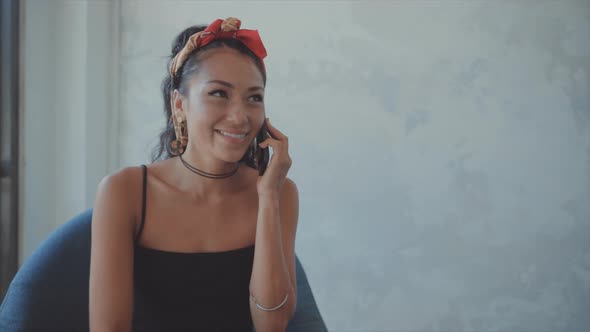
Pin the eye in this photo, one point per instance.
(256, 98)
(218, 93)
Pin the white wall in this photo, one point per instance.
(70, 77)
(441, 150)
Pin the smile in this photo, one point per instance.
(231, 135)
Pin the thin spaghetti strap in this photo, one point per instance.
(143, 203)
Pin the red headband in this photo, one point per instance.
(220, 29)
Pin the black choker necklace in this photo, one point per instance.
(205, 174)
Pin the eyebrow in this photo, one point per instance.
(231, 86)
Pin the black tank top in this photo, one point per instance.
(207, 291)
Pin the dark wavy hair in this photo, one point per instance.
(163, 150)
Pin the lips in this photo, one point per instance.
(233, 134)
(231, 138)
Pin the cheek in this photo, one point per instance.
(257, 112)
(206, 111)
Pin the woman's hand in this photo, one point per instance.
(272, 181)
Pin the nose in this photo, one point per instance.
(237, 114)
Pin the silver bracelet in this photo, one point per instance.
(269, 309)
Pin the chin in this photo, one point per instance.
(231, 152)
(231, 157)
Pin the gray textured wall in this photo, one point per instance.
(441, 149)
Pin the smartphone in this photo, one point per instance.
(261, 155)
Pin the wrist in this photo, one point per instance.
(269, 196)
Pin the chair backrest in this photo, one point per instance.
(50, 290)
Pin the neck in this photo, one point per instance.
(204, 187)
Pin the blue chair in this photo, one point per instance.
(50, 291)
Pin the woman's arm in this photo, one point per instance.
(273, 271)
(111, 258)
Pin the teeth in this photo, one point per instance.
(232, 135)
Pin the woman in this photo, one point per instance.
(199, 240)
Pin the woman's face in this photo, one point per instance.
(224, 95)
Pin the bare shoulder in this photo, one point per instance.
(289, 187)
(290, 192)
(121, 179)
(119, 195)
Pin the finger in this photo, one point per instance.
(270, 131)
(277, 146)
(279, 154)
(274, 143)
(274, 132)
(279, 135)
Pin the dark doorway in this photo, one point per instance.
(9, 141)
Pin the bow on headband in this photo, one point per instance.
(219, 29)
